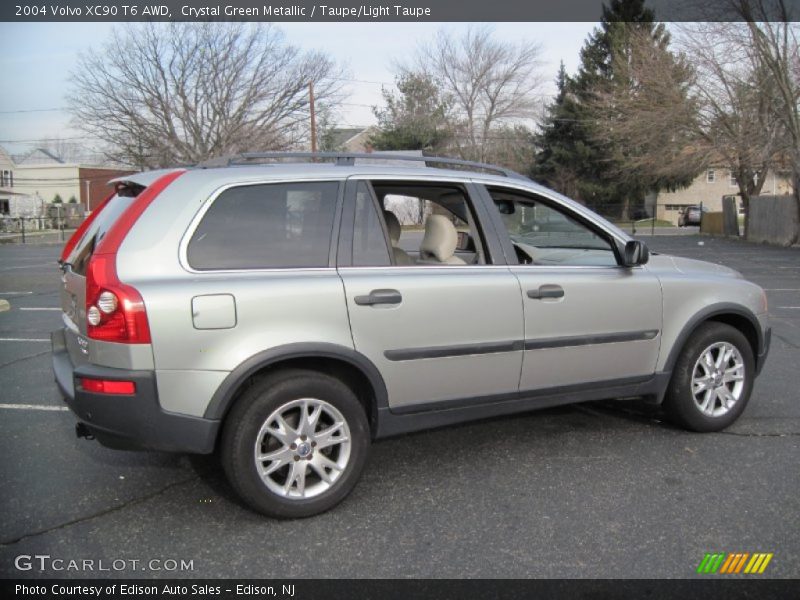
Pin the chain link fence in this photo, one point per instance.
(35, 230)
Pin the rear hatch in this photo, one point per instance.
(73, 288)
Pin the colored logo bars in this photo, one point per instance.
(734, 563)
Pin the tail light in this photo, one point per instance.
(115, 311)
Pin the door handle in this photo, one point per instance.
(380, 297)
(546, 291)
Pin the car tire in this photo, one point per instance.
(712, 379)
(285, 466)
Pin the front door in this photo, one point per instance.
(588, 321)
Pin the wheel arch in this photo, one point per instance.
(734, 315)
(355, 369)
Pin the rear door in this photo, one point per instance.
(440, 335)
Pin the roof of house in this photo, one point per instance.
(41, 156)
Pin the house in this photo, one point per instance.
(44, 175)
(355, 139)
(7, 191)
(708, 188)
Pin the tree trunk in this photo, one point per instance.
(796, 184)
(746, 208)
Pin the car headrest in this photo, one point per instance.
(440, 238)
(393, 225)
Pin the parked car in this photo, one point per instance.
(691, 215)
(268, 311)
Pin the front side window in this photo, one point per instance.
(265, 226)
(546, 235)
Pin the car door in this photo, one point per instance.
(589, 323)
(438, 334)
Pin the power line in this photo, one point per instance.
(31, 110)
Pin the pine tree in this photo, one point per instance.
(413, 119)
(573, 157)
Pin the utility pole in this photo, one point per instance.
(313, 116)
(88, 192)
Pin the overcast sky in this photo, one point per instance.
(36, 58)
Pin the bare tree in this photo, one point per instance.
(163, 94)
(775, 42)
(709, 104)
(737, 104)
(486, 82)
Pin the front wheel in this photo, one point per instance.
(295, 444)
(712, 379)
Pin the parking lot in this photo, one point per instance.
(592, 490)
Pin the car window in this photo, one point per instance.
(84, 248)
(412, 204)
(369, 241)
(285, 225)
(544, 234)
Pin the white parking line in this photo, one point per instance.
(22, 340)
(33, 407)
(793, 307)
(14, 293)
(25, 267)
(782, 289)
(32, 308)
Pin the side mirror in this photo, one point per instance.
(635, 253)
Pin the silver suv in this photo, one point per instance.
(280, 313)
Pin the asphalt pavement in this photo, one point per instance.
(592, 490)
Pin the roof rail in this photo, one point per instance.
(348, 159)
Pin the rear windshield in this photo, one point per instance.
(79, 258)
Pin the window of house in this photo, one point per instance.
(711, 176)
(5, 207)
(732, 181)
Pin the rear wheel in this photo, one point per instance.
(712, 379)
(295, 444)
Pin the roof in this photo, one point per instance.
(340, 137)
(41, 156)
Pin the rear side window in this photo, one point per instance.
(79, 258)
(282, 225)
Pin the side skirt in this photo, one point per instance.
(418, 417)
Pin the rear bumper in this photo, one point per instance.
(134, 422)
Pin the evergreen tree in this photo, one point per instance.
(573, 156)
(414, 119)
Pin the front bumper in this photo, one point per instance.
(131, 422)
